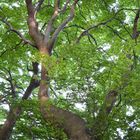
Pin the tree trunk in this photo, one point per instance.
(7, 128)
(74, 126)
(14, 113)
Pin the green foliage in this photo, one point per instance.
(104, 59)
(31, 124)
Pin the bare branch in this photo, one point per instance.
(14, 113)
(110, 101)
(122, 23)
(116, 32)
(92, 27)
(10, 49)
(12, 84)
(103, 23)
(33, 25)
(26, 41)
(34, 83)
(49, 26)
(65, 6)
(86, 33)
(135, 26)
(101, 122)
(75, 25)
(61, 26)
(93, 38)
(40, 2)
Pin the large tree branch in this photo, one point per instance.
(6, 129)
(12, 84)
(73, 125)
(17, 32)
(32, 23)
(38, 7)
(83, 33)
(50, 23)
(136, 33)
(101, 122)
(65, 6)
(61, 26)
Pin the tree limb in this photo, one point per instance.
(40, 2)
(10, 49)
(50, 23)
(65, 6)
(73, 125)
(136, 33)
(101, 121)
(6, 129)
(32, 24)
(103, 23)
(17, 32)
(61, 26)
(12, 84)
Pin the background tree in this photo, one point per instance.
(57, 55)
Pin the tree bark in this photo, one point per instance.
(73, 125)
(7, 128)
(14, 113)
(101, 122)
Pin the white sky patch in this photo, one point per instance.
(4, 3)
(85, 86)
(127, 19)
(137, 129)
(20, 94)
(31, 73)
(106, 46)
(39, 67)
(114, 6)
(92, 81)
(121, 132)
(21, 62)
(29, 54)
(2, 121)
(132, 124)
(130, 110)
(63, 93)
(53, 83)
(95, 114)
(20, 71)
(5, 106)
(1, 79)
(80, 106)
(22, 31)
(102, 69)
(15, 4)
(112, 58)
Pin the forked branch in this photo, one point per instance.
(11, 28)
(61, 26)
(32, 23)
(50, 23)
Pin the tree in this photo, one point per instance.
(56, 55)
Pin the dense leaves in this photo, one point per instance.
(93, 55)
